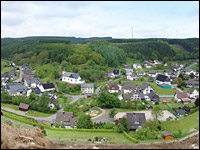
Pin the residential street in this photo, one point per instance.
(74, 97)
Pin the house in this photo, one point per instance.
(27, 74)
(162, 79)
(72, 78)
(147, 64)
(187, 109)
(7, 86)
(156, 62)
(66, 118)
(179, 95)
(16, 90)
(12, 64)
(32, 82)
(128, 69)
(169, 73)
(154, 97)
(135, 120)
(113, 88)
(87, 88)
(128, 87)
(166, 64)
(25, 67)
(153, 73)
(176, 68)
(187, 71)
(167, 135)
(165, 86)
(132, 77)
(53, 101)
(46, 87)
(10, 74)
(137, 66)
(185, 100)
(192, 83)
(180, 113)
(23, 107)
(193, 93)
(140, 73)
(145, 89)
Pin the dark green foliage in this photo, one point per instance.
(112, 113)
(106, 100)
(84, 122)
(113, 56)
(120, 128)
(124, 123)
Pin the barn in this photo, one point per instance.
(23, 107)
(167, 135)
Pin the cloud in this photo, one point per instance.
(91, 19)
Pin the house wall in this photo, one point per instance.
(153, 75)
(168, 137)
(87, 90)
(113, 91)
(160, 82)
(72, 80)
(194, 94)
(147, 90)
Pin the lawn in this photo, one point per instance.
(184, 124)
(3, 63)
(158, 90)
(37, 114)
(112, 137)
(6, 69)
(64, 100)
(15, 107)
(45, 79)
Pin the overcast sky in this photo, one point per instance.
(168, 19)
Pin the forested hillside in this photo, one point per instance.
(107, 52)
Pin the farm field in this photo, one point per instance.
(112, 137)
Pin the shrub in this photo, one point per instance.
(194, 110)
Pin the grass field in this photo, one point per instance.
(15, 107)
(184, 124)
(37, 114)
(158, 90)
(6, 69)
(112, 137)
(3, 63)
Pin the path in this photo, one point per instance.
(48, 119)
(103, 117)
(74, 97)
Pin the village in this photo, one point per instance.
(131, 84)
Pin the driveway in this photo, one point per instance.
(148, 116)
(103, 117)
(74, 97)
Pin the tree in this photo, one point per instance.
(108, 125)
(85, 122)
(179, 82)
(123, 71)
(153, 125)
(120, 128)
(157, 112)
(181, 76)
(192, 76)
(57, 125)
(112, 113)
(124, 123)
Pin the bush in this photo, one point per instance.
(194, 110)
(120, 128)
(129, 137)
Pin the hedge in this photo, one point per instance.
(55, 129)
(129, 137)
(194, 110)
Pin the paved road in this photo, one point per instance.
(74, 97)
(103, 117)
(49, 119)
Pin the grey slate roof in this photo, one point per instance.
(32, 80)
(162, 78)
(87, 85)
(74, 75)
(116, 72)
(129, 86)
(191, 90)
(153, 96)
(167, 133)
(48, 85)
(53, 100)
(153, 71)
(17, 88)
(10, 84)
(135, 120)
(143, 86)
(66, 117)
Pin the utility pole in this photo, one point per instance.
(132, 32)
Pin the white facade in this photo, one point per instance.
(147, 66)
(160, 82)
(73, 80)
(176, 98)
(147, 90)
(85, 90)
(45, 90)
(131, 77)
(113, 91)
(153, 75)
(194, 94)
(137, 66)
(28, 92)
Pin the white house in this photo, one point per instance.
(72, 78)
(132, 77)
(153, 73)
(137, 66)
(179, 95)
(147, 65)
(28, 92)
(32, 82)
(16, 90)
(162, 79)
(53, 101)
(145, 88)
(187, 71)
(140, 73)
(192, 93)
(113, 88)
(87, 88)
(129, 87)
(46, 87)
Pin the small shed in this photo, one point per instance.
(164, 102)
(23, 107)
(167, 135)
(185, 100)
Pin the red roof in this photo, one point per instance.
(116, 87)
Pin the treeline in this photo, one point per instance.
(147, 50)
